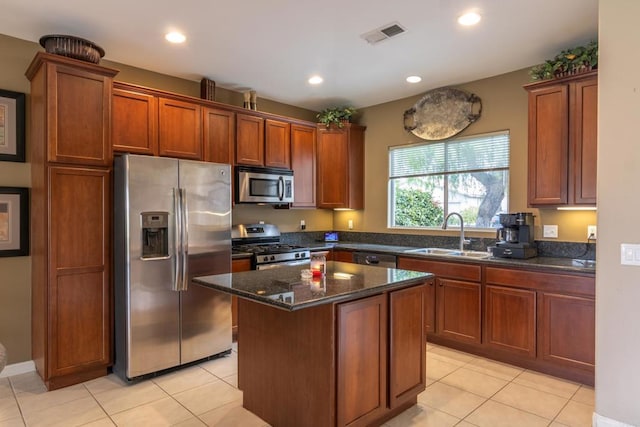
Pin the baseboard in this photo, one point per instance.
(600, 421)
(18, 368)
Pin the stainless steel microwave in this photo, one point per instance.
(263, 185)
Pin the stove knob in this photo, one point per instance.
(297, 255)
(266, 259)
(273, 258)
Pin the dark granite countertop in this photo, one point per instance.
(283, 288)
(537, 263)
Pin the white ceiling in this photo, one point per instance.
(274, 46)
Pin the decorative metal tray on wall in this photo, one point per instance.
(442, 113)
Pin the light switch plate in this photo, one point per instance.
(629, 254)
(550, 231)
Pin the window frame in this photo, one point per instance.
(445, 174)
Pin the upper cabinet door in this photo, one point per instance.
(219, 134)
(585, 141)
(249, 140)
(277, 144)
(548, 145)
(303, 163)
(180, 133)
(563, 129)
(134, 122)
(79, 116)
(340, 165)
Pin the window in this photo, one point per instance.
(468, 175)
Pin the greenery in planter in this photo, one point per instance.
(567, 62)
(335, 115)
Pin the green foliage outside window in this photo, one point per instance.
(416, 208)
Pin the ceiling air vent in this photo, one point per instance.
(383, 33)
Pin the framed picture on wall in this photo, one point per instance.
(12, 126)
(14, 221)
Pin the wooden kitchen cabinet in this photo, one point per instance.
(80, 285)
(366, 357)
(303, 164)
(566, 330)
(342, 255)
(219, 133)
(510, 320)
(277, 144)
(459, 310)
(134, 124)
(180, 131)
(249, 140)
(71, 209)
(562, 309)
(78, 112)
(146, 121)
(407, 344)
(563, 141)
(361, 360)
(453, 303)
(340, 163)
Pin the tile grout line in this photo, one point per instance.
(511, 382)
(15, 397)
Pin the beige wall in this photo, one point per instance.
(15, 272)
(618, 286)
(504, 107)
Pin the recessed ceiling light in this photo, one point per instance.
(414, 79)
(471, 18)
(175, 37)
(315, 80)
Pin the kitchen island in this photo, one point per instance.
(345, 349)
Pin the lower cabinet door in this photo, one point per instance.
(458, 310)
(407, 343)
(80, 285)
(566, 330)
(510, 320)
(361, 361)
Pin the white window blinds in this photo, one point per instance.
(484, 152)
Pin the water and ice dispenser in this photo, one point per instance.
(155, 235)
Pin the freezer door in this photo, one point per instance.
(206, 314)
(153, 327)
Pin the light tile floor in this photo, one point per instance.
(462, 390)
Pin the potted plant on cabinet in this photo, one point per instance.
(568, 62)
(335, 116)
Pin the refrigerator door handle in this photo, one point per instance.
(185, 241)
(177, 239)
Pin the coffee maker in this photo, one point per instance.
(515, 236)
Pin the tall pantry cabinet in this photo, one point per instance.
(71, 161)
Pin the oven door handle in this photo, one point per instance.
(282, 264)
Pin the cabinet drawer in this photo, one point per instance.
(565, 283)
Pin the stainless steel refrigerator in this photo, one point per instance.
(172, 221)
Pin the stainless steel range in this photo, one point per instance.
(263, 242)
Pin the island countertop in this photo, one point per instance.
(283, 287)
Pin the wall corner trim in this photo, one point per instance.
(18, 368)
(601, 421)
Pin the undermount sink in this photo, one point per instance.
(449, 252)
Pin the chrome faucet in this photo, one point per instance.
(462, 240)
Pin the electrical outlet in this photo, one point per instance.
(350, 224)
(550, 231)
(303, 225)
(592, 232)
